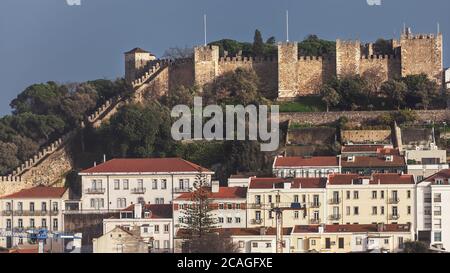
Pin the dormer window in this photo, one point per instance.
(439, 181)
(147, 214)
(389, 158)
(351, 159)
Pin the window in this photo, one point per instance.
(316, 200)
(296, 214)
(159, 201)
(254, 244)
(8, 206)
(166, 244)
(386, 241)
(341, 243)
(44, 206)
(156, 244)
(238, 220)
(382, 194)
(32, 224)
(20, 241)
(156, 228)
(154, 184)
(229, 206)
(313, 242)
(408, 194)
(258, 215)
(121, 203)
(166, 228)
(229, 220)
(163, 184)
(221, 206)
(44, 223)
(126, 184)
(382, 210)
(8, 223)
(268, 245)
(55, 224)
(145, 230)
(32, 206)
(241, 244)
(358, 241)
(220, 219)
(20, 223)
(437, 236)
(140, 184)
(438, 223)
(296, 198)
(356, 210)
(374, 194)
(401, 242)
(269, 198)
(374, 211)
(116, 184)
(238, 206)
(184, 184)
(19, 206)
(55, 206)
(277, 199)
(409, 210)
(348, 194)
(258, 199)
(355, 194)
(348, 210)
(270, 214)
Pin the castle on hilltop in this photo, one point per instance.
(290, 75)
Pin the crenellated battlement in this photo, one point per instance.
(381, 57)
(419, 36)
(242, 59)
(312, 58)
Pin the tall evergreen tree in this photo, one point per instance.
(258, 44)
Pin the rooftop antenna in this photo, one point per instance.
(287, 25)
(204, 26)
(438, 28)
(404, 28)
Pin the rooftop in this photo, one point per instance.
(38, 192)
(377, 178)
(443, 174)
(353, 228)
(244, 231)
(312, 161)
(275, 182)
(145, 165)
(373, 161)
(137, 50)
(157, 211)
(223, 193)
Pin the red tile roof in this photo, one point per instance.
(145, 165)
(38, 192)
(377, 178)
(157, 211)
(276, 182)
(360, 148)
(223, 193)
(314, 161)
(243, 231)
(373, 161)
(443, 174)
(353, 228)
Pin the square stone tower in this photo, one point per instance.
(287, 70)
(422, 53)
(348, 58)
(135, 62)
(206, 64)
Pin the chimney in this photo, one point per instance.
(380, 227)
(137, 211)
(104, 158)
(215, 186)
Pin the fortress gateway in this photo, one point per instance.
(289, 75)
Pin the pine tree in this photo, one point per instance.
(258, 44)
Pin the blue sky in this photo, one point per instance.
(43, 40)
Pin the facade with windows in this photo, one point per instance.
(152, 222)
(424, 162)
(433, 210)
(380, 198)
(228, 206)
(35, 208)
(119, 183)
(120, 240)
(306, 167)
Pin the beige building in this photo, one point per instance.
(119, 183)
(424, 162)
(154, 223)
(35, 208)
(350, 238)
(380, 198)
(307, 167)
(120, 240)
(302, 201)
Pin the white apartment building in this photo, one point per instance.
(423, 162)
(154, 223)
(433, 210)
(306, 167)
(119, 183)
(34, 208)
(228, 206)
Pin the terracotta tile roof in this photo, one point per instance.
(373, 161)
(223, 193)
(243, 231)
(145, 165)
(443, 174)
(137, 50)
(38, 192)
(158, 211)
(377, 178)
(314, 161)
(353, 228)
(275, 182)
(360, 148)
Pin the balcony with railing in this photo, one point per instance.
(335, 217)
(334, 201)
(138, 190)
(95, 191)
(437, 213)
(315, 205)
(181, 190)
(394, 217)
(314, 221)
(6, 212)
(394, 200)
(255, 221)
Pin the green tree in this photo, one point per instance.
(329, 96)
(271, 41)
(258, 44)
(415, 247)
(421, 91)
(180, 95)
(8, 159)
(313, 46)
(383, 47)
(395, 92)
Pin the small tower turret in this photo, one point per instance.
(135, 61)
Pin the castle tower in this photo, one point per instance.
(287, 70)
(135, 61)
(348, 58)
(206, 64)
(422, 54)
